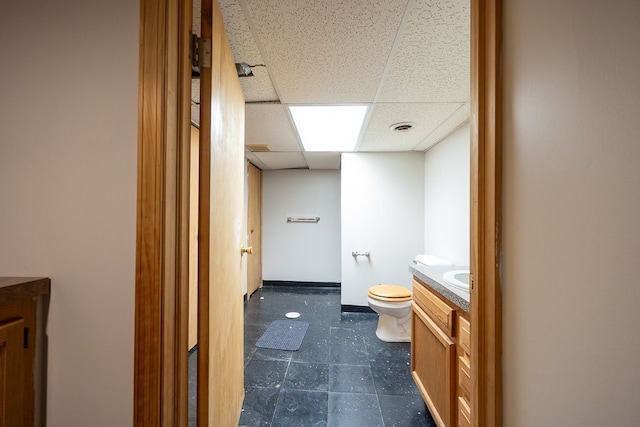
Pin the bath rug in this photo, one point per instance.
(283, 335)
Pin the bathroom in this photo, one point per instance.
(393, 206)
(376, 198)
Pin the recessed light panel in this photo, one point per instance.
(328, 127)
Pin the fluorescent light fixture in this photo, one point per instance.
(328, 127)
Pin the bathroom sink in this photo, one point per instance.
(458, 279)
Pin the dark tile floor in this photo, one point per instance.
(342, 375)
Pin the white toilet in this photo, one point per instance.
(393, 304)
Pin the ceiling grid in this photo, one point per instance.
(407, 59)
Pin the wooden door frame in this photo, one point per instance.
(486, 212)
(161, 324)
(162, 264)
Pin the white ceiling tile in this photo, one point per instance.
(459, 117)
(244, 48)
(236, 24)
(325, 51)
(282, 160)
(409, 57)
(269, 124)
(432, 60)
(323, 160)
(258, 87)
(256, 161)
(196, 21)
(425, 118)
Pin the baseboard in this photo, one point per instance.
(269, 283)
(345, 308)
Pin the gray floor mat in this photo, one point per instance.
(283, 335)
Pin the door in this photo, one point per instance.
(254, 229)
(221, 231)
(432, 362)
(14, 380)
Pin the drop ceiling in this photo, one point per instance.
(407, 60)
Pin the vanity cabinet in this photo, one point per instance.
(464, 372)
(440, 356)
(23, 306)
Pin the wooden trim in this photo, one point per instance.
(185, 12)
(160, 356)
(204, 227)
(486, 218)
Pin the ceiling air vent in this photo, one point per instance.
(258, 147)
(402, 127)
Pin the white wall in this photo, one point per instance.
(383, 213)
(68, 136)
(571, 213)
(304, 252)
(447, 186)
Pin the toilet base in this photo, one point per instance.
(392, 329)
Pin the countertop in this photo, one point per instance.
(17, 288)
(432, 277)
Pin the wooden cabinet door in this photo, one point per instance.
(14, 366)
(432, 366)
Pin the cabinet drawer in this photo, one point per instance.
(464, 375)
(464, 334)
(437, 309)
(464, 413)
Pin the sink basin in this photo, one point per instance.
(458, 279)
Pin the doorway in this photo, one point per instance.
(254, 229)
(163, 204)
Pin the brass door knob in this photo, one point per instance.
(247, 250)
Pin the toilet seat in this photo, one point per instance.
(389, 293)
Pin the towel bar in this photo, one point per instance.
(357, 254)
(293, 219)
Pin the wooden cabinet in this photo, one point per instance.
(14, 374)
(432, 362)
(23, 306)
(440, 356)
(464, 372)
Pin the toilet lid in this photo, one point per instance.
(389, 293)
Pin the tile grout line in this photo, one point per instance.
(273, 417)
(373, 379)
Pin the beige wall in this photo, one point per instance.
(68, 131)
(571, 213)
